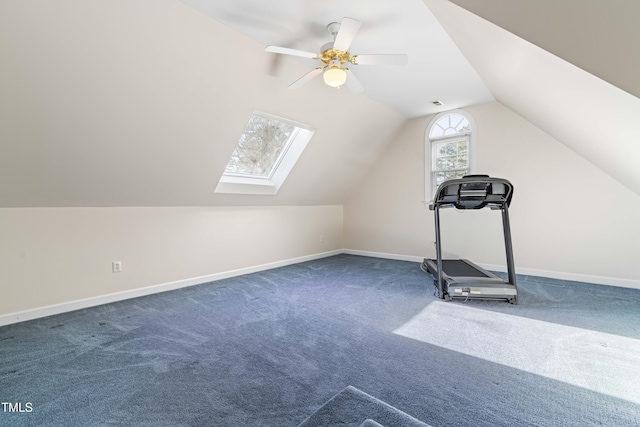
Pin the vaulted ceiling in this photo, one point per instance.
(595, 118)
(138, 103)
(601, 37)
(436, 69)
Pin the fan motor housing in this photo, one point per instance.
(330, 54)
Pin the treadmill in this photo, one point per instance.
(460, 278)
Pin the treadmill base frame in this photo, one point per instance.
(483, 286)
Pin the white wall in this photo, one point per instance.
(52, 256)
(569, 219)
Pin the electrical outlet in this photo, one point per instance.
(322, 238)
(116, 266)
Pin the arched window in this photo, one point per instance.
(449, 149)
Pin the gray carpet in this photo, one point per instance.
(270, 348)
(355, 408)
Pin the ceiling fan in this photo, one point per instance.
(335, 57)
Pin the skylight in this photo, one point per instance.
(266, 152)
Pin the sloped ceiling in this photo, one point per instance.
(141, 103)
(601, 37)
(597, 120)
(436, 69)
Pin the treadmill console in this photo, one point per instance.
(474, 192)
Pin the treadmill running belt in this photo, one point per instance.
(459, 268)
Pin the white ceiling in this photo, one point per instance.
(436, 70)
(586, 98)
(140, 103)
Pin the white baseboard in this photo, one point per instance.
(50, 310)
(599, 280)
(7, 319)
(384, 255)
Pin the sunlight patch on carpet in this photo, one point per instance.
(597, 361)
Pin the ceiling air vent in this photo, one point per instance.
(437, 103)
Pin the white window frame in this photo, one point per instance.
(429, 190)
(237, 183)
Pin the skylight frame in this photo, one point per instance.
(276, 164)
(242, 183)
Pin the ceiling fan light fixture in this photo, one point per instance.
(335, 76)
(334, 55)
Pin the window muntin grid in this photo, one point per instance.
(449, 125)
(449, 151)
(450, 160)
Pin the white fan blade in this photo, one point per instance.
(287, 51)
(347, 32)
(302, 80)
(352, 83)
(390, 59)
